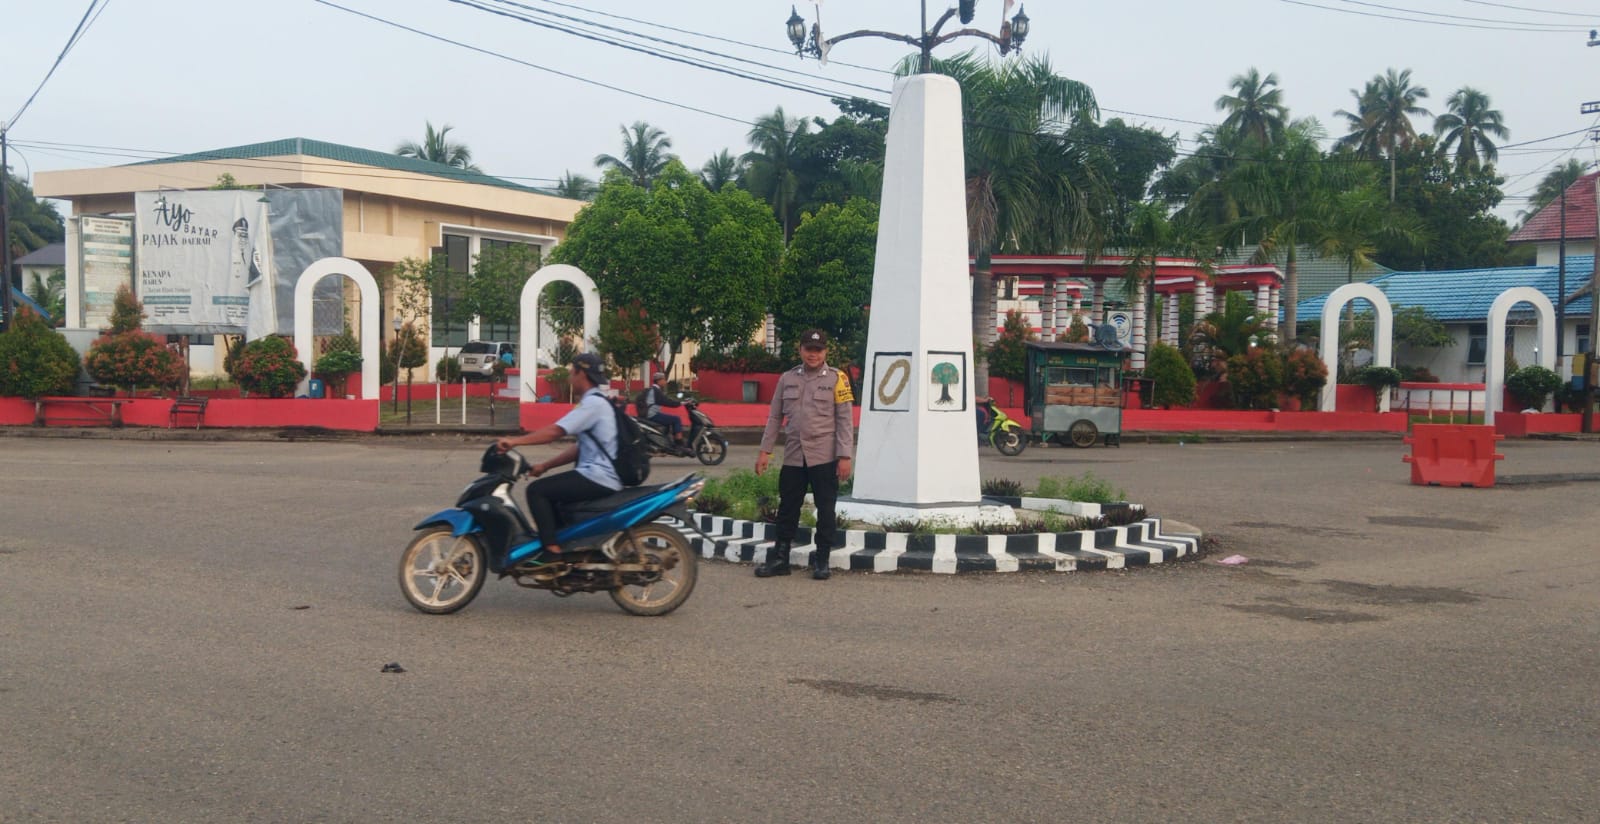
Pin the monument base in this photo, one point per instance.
(953, 514)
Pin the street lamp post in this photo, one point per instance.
(395, 394)
(1012, 33)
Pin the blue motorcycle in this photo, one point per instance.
(624, 544)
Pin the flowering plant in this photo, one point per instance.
(269, 366)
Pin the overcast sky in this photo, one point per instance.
(173, 76)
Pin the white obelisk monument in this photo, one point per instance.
(917, 457)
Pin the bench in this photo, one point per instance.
(78, 410)
(188, 406)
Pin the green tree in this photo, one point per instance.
(438, 148)
(1471, 126)
(561, 306)
(50, 292)
(494, 294)
(826, 279)
(1255, 108)
(34, 223)
(35, 360)
(1008, 356)
(723, 168)
(1362, 138)
(269, 366)
(771, 174)
(843, 159)
(1455, 211)
(429, 289)
(644, 154)
(628, 337)
(1127, 158)
(1393, 102)
(1174, 382)
(127, 356)
(703, 264)
(1552, 185)
(226, 182)
(575, 187)
(1024, 178)
(945, 374)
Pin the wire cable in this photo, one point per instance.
(1428, 22)
(82, 28)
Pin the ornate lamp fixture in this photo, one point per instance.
(1012, 33)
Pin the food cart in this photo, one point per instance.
(1074, 390)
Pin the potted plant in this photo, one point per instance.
(341, 358)
(1380, 378)
(1531, 386)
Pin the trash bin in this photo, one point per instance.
(316, 389)
(752, 391)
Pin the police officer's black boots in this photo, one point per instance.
(777, 561)
(819, 564)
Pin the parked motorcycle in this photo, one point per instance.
(702, 441)
(622, 544)
(1005, 433)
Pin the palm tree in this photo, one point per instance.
(1394, 102)
(1357, 219)
(1556, 183)
(437, 148)
(774, 141)
(1468, 125)
(644, 153)
(576, 187)
(1363, 138)
(723, 168)
(1024, 178)
(1287, 195)
(1255, 109)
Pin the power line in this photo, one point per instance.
(1527, 8)
(1562, 26)
(81, 29)
(1428, 22)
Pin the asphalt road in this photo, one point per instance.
(195, 632)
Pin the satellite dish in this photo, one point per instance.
(1105, 336)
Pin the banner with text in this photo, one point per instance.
(105, 254)
(194, 253)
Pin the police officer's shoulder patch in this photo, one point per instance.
(841, 389)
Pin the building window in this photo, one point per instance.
(449, 326)
(1477, 343)
(1583, 338)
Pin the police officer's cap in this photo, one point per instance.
(814, 339)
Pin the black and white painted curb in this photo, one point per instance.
(1137, 544)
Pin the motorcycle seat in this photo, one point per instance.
(578, 511)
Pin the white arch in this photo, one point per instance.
(1382, 339)
(370, 332)
(526, 345)
(1495, 380)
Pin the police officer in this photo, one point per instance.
(812, 405)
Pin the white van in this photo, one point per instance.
(478, 357)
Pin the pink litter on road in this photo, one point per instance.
(1234, 560)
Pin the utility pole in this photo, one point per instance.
(5, 231)
(1594, 298)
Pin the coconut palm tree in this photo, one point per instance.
(1468, 125)
(1356, 220)
(1394, 103)
(51, 294)
(576, 187)
(435, 146)
(723, 168)
(1555, 183)
(1363, 139)
(644, 153)
(1023, 193)
(1255, 109)
(774, 142)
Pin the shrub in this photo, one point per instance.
(746, 358)
(1377, 377)
(127, 314)
(35, 360)
(1086, 488)
(269, 366)
(1077, 331)
(1531, 386)
(1003, 487)
(1417, 374)
(1304, 375)
(560, 381)
(1255, 378)
(1174, 380)
(1008, 354)
(448, 369)
(133, 359)
(339, 360)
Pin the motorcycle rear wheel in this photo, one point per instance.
(711, 449)
(663, 592)
(1010, 442)
(440, 573)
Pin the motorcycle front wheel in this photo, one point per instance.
(662, 591)
(711, 448)
(1010, 442)
(440, 573)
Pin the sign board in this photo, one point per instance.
(1123, 321)
(105, 254)
(195, 257)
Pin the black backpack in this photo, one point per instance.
(632, 461)
(641, 403)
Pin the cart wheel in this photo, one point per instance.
(1083, 434)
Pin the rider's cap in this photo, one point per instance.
(661, 377)
(590, 365)
(814, 339)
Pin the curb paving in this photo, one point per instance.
(1138, 544)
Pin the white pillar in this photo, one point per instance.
(1495, 379)
(1202, 298)
(1047, 310)
(370, 331)
(1136, 360)
(1383, 336)
(1097, 309)
(1262, 301)
(1169, 331)
(528, 345)
(917, 457)
(1063, 299)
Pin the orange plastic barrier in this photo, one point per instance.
(1452, 455)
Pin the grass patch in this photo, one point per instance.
(1085, 488)
(1003, 487)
